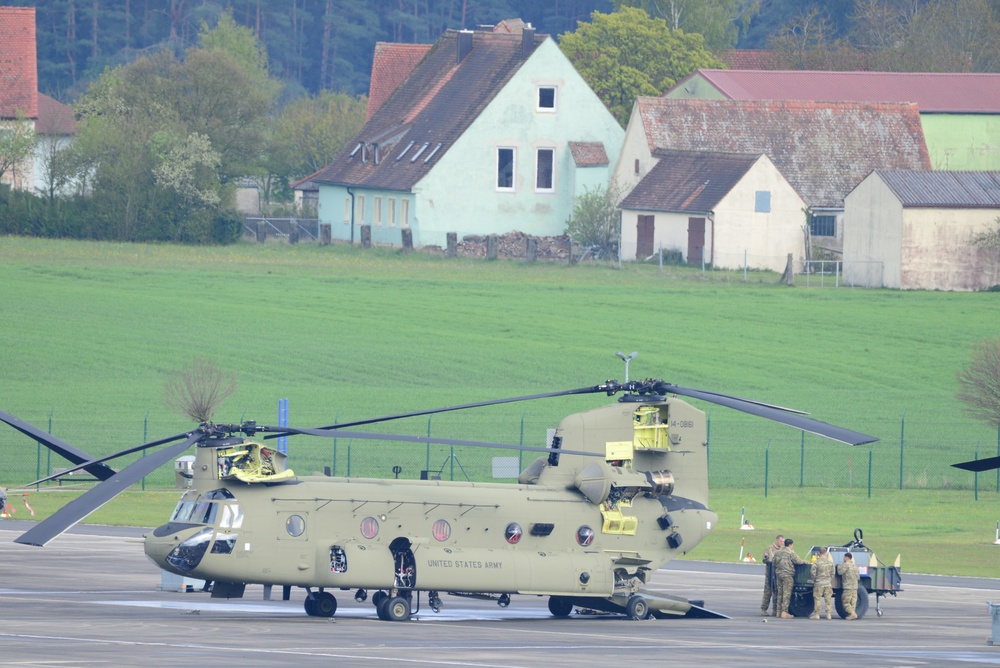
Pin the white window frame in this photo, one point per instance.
(359, 209)
(552, 176)
(377, 202)
(555, 100)
(347, 211)
(404, 212)
(391, 213)
(513, 170)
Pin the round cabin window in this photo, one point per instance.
(442, 530)
(369, 527)
(295, 525)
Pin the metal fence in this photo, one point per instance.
(304, 229)
(744, 452)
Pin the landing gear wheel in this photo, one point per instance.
(637, 607)
(397, 609)
(310, 605)
(324, 604)
(559, 606)
(383, 614)
(378, 597)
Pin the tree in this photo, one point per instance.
(720, 22)
(990, 239)
(311, 131)
(595, 220)
(626, 54)
(979, 383)
(199, 390)
(17, 142)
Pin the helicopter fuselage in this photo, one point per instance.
(572, 526)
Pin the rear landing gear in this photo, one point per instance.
(559, 606)
(637, 607)
(394, 609)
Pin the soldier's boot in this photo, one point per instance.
(774, 613)
(853, 615)
(814, 615)
(828, 615)
(785, 615)
(765, 613)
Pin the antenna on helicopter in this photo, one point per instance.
(625, 359)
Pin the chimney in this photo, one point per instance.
(464, 44)
(527, 41)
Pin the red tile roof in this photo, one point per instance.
(391, 65)
(588, 153)
(54, 117)
(18, 67)
(431, 109)
(943, 92)
(823, 149)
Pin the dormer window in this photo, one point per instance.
(547, 99)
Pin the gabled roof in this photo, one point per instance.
(823, 149)
(588, 153)
(18, 66)
(933, 92)
(431, 109)
(947, 190)
(688, 181)
(751, 59)
(54, 117)
(391, 65)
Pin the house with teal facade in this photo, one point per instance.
(959, 111)
(490, 133)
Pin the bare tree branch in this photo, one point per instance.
(198, 391)
(979, 383)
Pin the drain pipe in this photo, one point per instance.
(351, 193)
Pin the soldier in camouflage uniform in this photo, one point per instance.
(784, 573)
(822, 575)
(849, 578)
(768, 560)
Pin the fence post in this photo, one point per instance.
(998, 455)
(767, 456)
(145, 438)
(975, 476)
(802, 461)
(427, 465)
(902, 441)
(870, 452)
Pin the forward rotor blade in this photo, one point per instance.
(492, 402)
(60, 447)
(76, 510)
(120, 453)
(979, 465)
(338, 433)
(777, 414)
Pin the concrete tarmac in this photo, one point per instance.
(92, 598)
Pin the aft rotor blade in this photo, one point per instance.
(478, 404)
(59, 446)
(777, 414)
(76, 510)
(979, 465)
(338, 433)
(99, 460)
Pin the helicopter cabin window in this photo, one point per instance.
(441, 530)
(199, 511)
(295, 525)
(369, 527)
(512, 534)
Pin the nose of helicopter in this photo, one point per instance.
(177, 546)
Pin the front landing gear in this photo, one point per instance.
(320, 604)
(394, 609)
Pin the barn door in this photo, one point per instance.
(696, 240)
(644, 238)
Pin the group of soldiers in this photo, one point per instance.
(780, 561)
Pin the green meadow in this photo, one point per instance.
(91, 331)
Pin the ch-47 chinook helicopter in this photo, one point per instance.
(620, 491)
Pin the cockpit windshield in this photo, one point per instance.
(204, 509)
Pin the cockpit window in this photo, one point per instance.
(203, 509)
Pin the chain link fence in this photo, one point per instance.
(744, 452)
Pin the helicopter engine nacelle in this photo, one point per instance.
(661, 482)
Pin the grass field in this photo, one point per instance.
(92, 330)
